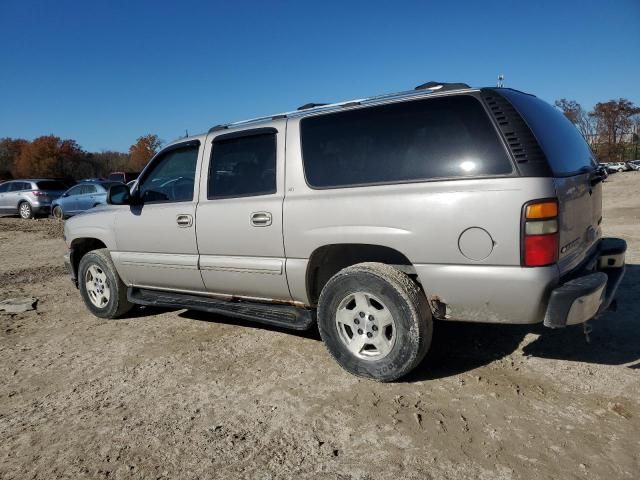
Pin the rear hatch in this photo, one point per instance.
(573, 167)
(49, 190)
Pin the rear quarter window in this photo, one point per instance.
(51, 185)
(566, 150)
(445, 137)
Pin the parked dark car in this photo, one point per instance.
(29, 197)
(81, 197)
(123, 177)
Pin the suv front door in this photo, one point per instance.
(156, 240)
(239, 216)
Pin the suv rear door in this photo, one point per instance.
(573, 169)
(239, 217)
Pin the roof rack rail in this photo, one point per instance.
(307, 106)
(442, 86)
(218, 127)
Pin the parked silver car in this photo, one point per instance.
(634, 164)
(372, 217)
(29, 197)
(617, 167)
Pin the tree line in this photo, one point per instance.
(53, 157)
(611, 128)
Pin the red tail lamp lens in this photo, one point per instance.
(540, 250)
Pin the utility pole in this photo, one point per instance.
(500, 80)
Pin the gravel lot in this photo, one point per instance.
(179, 394)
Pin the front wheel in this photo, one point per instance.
(375, 321)
(57, 212)
(101, 288)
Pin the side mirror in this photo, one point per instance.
(119, 195)
(65, 194)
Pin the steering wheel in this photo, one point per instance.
(178, 183)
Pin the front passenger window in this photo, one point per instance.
(172, 176)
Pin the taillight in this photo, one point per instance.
(38, 193)
(540, 233)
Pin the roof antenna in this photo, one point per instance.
(500, 81)
(186, 133)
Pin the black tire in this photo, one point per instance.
(57, 213)
(406, 303)
(117, 304)
(25, 211)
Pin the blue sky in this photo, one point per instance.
(105, 72)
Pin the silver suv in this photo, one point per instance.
(371, 217)
(29, 197)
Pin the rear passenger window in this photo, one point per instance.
(244, 166)
(18, 186)
(445, 137)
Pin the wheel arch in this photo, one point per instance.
(80, 247)
(327, 260)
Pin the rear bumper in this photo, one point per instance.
(40, 208)
(591, 290)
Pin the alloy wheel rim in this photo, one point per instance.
(97, 286)
(24, 210)
(365, 326)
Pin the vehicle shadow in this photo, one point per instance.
(615, 339)
(460, 347)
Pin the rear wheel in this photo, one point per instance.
(57, 212)
(25, 210)
(101, 288)
(375, 321)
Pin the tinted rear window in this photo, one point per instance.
(51, 185)
(409, 141)
(562, 143)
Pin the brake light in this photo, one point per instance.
(540, 233)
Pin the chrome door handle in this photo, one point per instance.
(261, 219)
(184, 220)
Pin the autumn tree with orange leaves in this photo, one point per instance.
(10, 149)
(143, 150)
(49, 156)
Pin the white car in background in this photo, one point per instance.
(617, 167)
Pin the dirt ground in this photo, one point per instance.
(179, 394)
